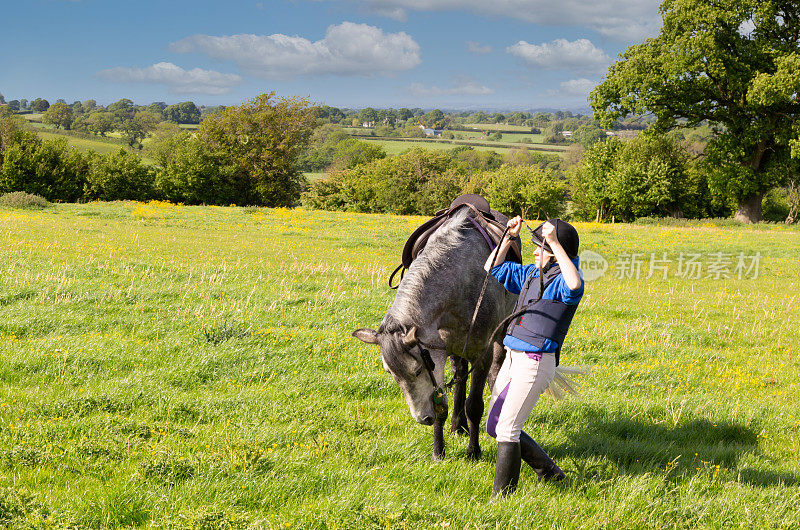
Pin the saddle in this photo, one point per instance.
(490, 223)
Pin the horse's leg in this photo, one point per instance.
(474, 406)
(438, 439)
(458, 422)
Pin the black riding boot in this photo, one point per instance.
(535, 457)
(506, 471)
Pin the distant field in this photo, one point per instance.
(507, 137)
(312, 176)
(84, 144)
(395, 147)
(497, 126)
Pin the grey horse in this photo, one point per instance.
(432, 310)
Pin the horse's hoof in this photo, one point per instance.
(461, 429)
(474, 453)
(437, 457)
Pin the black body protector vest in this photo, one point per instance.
(545, 319)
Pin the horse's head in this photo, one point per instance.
(402, 354)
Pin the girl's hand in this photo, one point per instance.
(549, 233)
(514, 226)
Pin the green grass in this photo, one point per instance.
(312, 176)
(395, 147)
(192, 367)
(102, 146)
(497, 127)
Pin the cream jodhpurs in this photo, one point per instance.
(522, 379)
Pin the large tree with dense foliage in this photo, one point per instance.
(40, 105)
(185, 112)
(649, 175)
(258, 143)
(732, 63)
(60, 115)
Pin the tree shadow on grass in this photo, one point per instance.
(639, 444)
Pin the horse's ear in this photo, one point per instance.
(410, 340)
(366, 335)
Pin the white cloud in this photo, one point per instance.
(561, 54)
(577, 87)
(461, 87)
(348, 49)
(572, 89)
(620, 20)
(478, 48)
(179, 81)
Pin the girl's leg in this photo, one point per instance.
(525, 379)
(499, 392)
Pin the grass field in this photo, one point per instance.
(84, 144)
(312, 176)
(192, 367)
(395, 147)
(497, 127)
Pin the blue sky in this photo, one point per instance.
(494, 54)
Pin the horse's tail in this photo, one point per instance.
(563, 383)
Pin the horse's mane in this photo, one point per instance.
(444, 253)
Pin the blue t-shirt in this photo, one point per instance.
(513, 275)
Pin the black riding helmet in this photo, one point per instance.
(566, 234)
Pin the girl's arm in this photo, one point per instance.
(568, 269)
(514, 226)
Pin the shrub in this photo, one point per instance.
(189, 174)
(119, 176)
(258, 144)
(47, 168)
(646, 176)
(415, 182)
(526, 190)
(20, 199)
(775, 206)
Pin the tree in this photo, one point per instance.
(89, 105)
(368, 115)
(60, 115)
(646, 176)
(23, 104)
(14, 105)
(587, 135)
(119, 176)
(436, 119)
(526, 190)
(124, 109)
(186, 112)
(40, 105)
(44, 167)
(2, 100)
(732, 63)
(351, 152)
(100, 122)
(258, 144)
(136, 129)
(156, 109)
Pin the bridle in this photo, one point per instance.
(439, 402)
